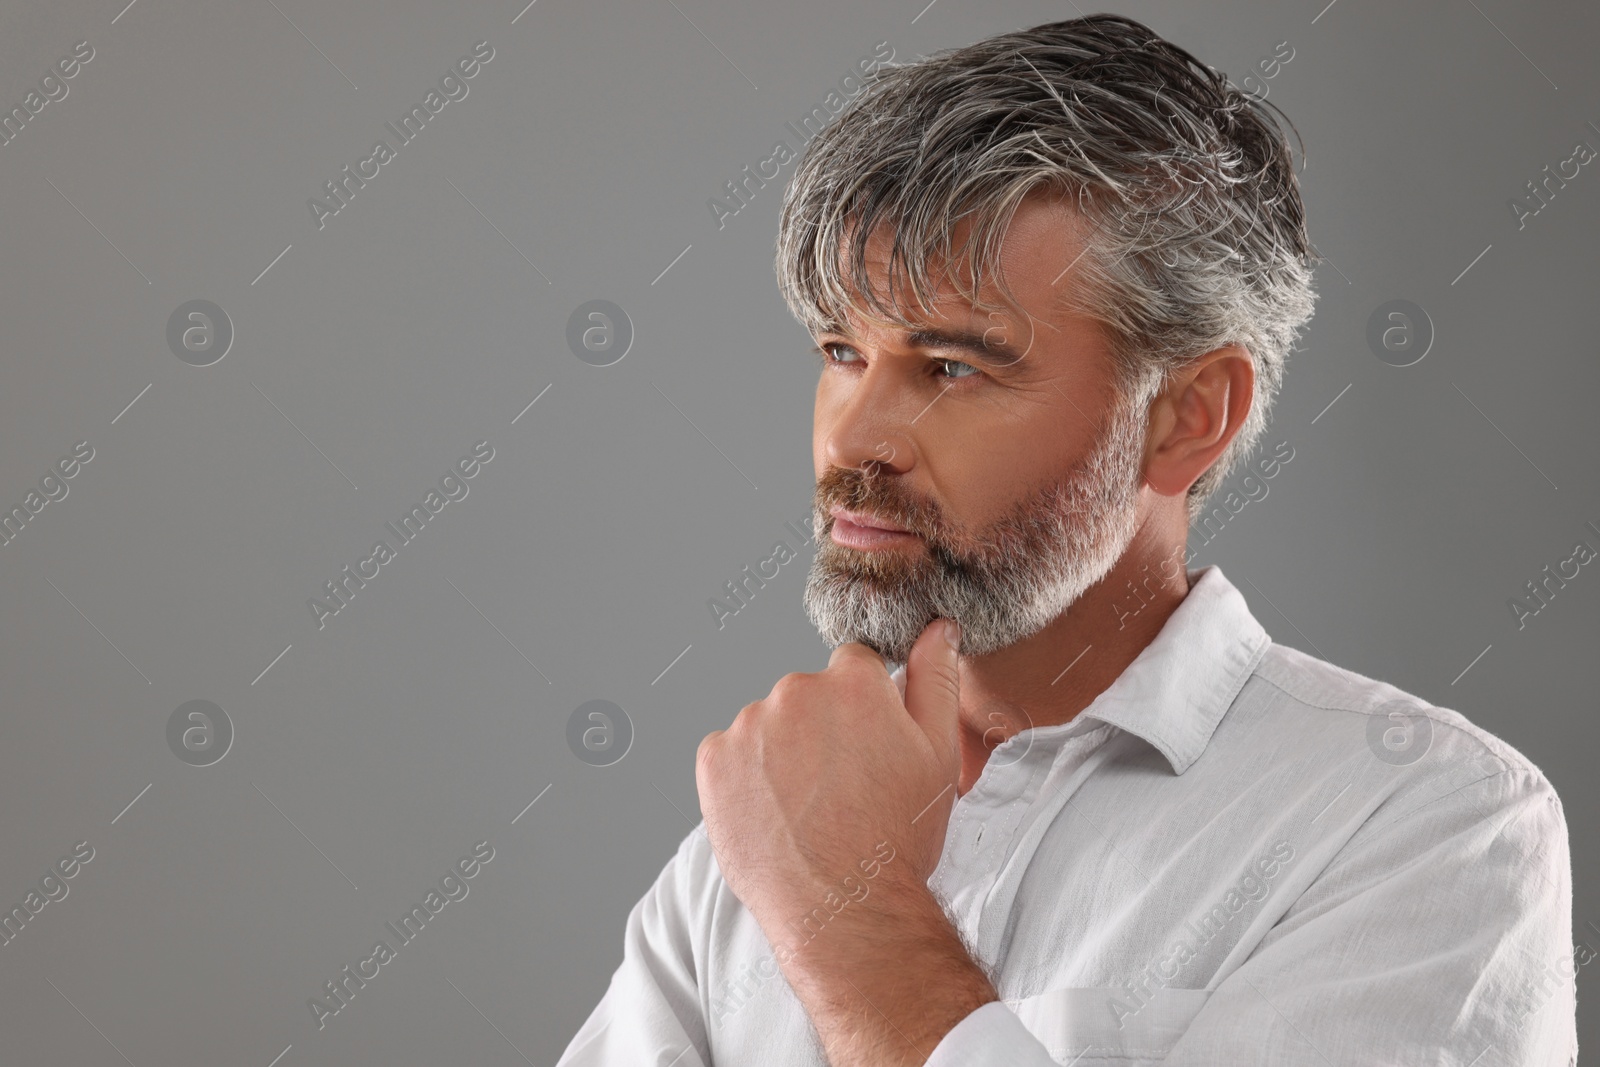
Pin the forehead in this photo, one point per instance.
(1039, 256)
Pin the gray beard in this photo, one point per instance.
(1005, 584)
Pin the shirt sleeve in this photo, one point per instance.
(651, 1012)
(1443, 936)
(991, 1036)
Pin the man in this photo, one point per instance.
(1104, 818)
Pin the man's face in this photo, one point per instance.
(1013, 462)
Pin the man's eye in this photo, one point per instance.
(829, 350)
(832, 352)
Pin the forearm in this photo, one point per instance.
(886, 979)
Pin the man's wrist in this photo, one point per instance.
(887, 978)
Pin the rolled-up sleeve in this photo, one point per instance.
(992, 1036)
(1444, 936)
(651, 1012)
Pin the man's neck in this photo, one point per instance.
(1050, 677)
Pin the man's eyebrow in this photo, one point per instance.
(993, 353)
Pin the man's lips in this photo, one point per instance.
(855, 529)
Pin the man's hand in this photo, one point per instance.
(826, 805)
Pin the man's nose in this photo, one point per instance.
(870, 427)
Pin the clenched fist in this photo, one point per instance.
(834, 777)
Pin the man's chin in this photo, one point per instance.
(864, 610)
(894, 652)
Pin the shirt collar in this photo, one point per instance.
(1177, 689)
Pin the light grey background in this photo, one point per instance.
(430, 712)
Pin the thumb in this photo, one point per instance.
(933, 682)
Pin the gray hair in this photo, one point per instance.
(1196, 233)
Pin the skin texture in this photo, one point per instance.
(803, 786)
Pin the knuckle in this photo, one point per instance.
(744, 726)
(707, 752)
(789, 686)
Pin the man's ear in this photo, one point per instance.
(1196, 415)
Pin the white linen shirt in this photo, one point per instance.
(1236, 854)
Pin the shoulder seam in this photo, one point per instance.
(1424, 708)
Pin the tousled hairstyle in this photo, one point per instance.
(1195, 234)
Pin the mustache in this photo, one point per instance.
(880, 495)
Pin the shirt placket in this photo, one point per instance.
(1054, 776)
(983, 826)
